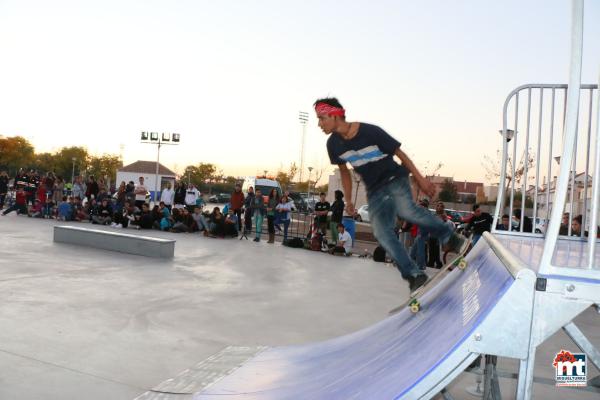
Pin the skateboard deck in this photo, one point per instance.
(459, 262)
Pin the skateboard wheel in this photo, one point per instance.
(414, 308)
(462, 264)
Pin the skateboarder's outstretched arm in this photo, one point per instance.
(426, 186)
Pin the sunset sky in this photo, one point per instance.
(231, 77)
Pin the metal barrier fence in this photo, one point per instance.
(532, 154)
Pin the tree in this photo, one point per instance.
(105, 166)
(285, 178)
(201, 174)
(63, 161)
(16, 152)
(448, 192)
(493, 169)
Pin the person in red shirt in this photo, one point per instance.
(237, 203)
(20, 205)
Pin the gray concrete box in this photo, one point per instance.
(115, 241)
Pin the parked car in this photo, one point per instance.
(299, 203)
(362, 214)
(220, 198)
(540, 225)
(264, 185)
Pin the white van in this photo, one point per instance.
(265, 186)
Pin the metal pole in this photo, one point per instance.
(156, 176)
(595, 188)
(73, 172)
(569, 136)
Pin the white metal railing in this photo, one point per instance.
(555, 125)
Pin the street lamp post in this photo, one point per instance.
(154, 138)
(73, 170)
(308, 188)
(303, 120)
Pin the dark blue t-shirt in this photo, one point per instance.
(371, 154)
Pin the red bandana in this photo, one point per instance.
(323, 108)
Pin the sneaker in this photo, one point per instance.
(119, 226)
(417, 281)
(256, 239)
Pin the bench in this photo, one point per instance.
(115, 241)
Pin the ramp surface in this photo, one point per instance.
(385, 361)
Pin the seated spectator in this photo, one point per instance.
(344, 243)
(79, 211)
(504, 225)
(104, 213)
(231, 224)
(564, 224)
(146, 220)
(20, 205)
(200, 221)
(527, 223)
(217, 223)
(166, 220)
(65, 209)
(36, 210)
(183, 222)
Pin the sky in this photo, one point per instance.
(231, 77)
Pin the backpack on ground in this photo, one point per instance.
(379, 254)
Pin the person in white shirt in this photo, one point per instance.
(140, 193)
(167, 196)
(344, 244)
(191, 195)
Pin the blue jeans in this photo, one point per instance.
(395, 200)
(417, 250)
(476, 237)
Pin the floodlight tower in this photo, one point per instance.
(154, 138)
(303, 120)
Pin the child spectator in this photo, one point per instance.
(231, 224)
(65, 210)
(344, 242)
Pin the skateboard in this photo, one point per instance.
(459, 262)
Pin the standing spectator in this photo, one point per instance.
(322, 208)
(31, 184)
(20, 205)
(433, 243)
(140, 193)
(418, 249)
(180, 191)
(3, 188)
(121, 198)
(285, 207)
(259, 211)
(58, 190)
(92, 188)
(248, 210)
(130, 193)
(191, 196)
(79, 188)
(271, 205)
(337, 212)
(168, 196)
(237, 203)
(480, 222)
(576, 226)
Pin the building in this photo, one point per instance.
(467, 192)
(359, 192)
(580, 199)
(147, 169)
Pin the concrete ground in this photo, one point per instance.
(83, 323)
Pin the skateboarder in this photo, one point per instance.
(370, 151)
